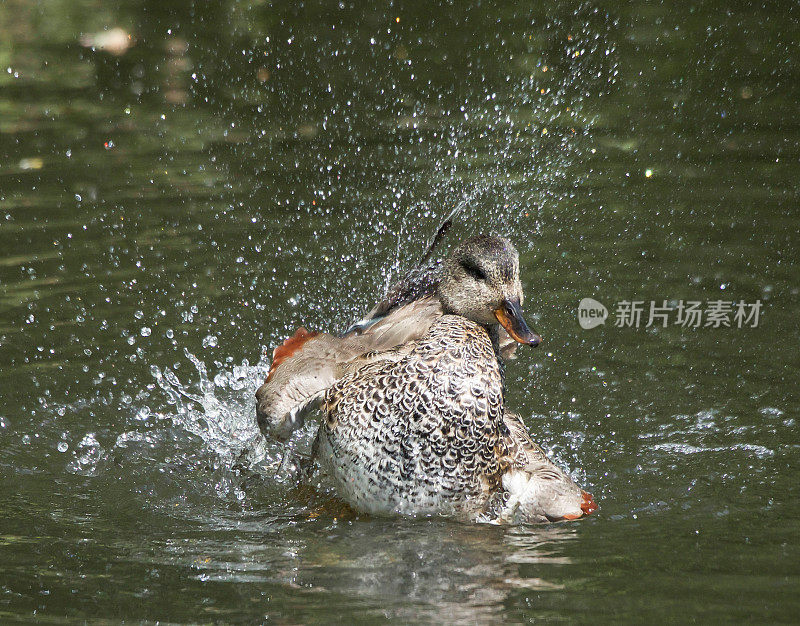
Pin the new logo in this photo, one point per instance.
(591, 313)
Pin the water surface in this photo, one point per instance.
(179, 195)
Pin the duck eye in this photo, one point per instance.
(474, 271)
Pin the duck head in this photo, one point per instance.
(480, 281)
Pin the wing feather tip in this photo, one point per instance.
(289, 347)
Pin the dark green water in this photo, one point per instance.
(171, 211)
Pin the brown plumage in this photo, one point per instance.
(414, 420)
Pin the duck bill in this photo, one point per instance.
(509, 314)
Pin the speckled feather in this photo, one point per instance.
(420, 430)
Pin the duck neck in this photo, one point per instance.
(493, 330)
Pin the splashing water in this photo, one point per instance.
(224, 421)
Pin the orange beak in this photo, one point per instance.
(509, 314)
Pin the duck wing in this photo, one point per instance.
(307, 364)
(417, 285)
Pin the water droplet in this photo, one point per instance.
(145, 332)
(142, 414)
(210, 341)
(62, 446)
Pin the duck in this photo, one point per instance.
(413, 414)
